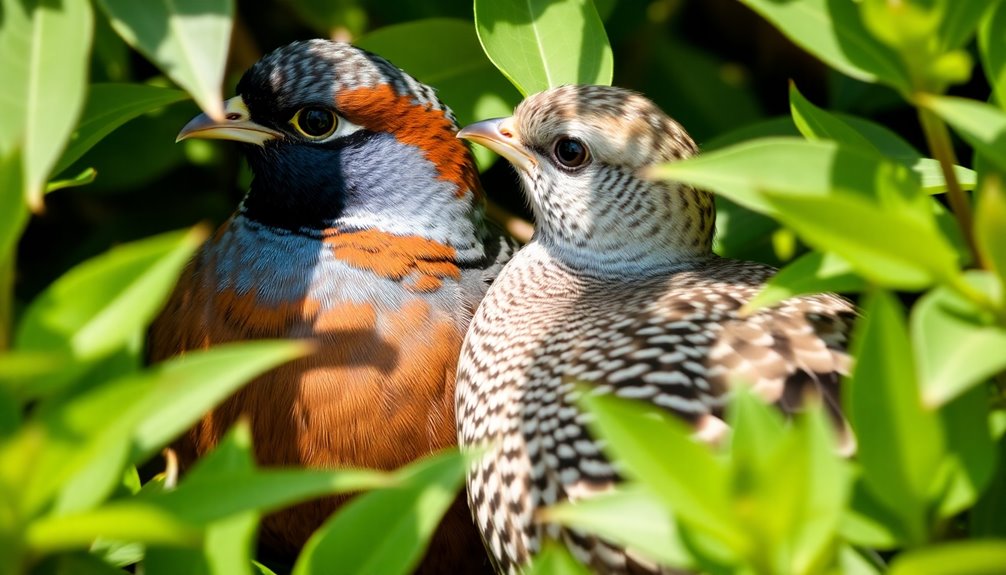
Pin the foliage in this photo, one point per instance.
(842, 190)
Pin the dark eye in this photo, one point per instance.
(570, 152)
(314, 123)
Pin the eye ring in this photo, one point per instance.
(315, 122)
(570, 152)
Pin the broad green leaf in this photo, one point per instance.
(186, 39)
(988, 517)
(13, 216)
(959, 21)
(455, 65)
(868, 523)
(129, 521)
(900, 443)
(895, 245)
(981, 125)
(992, 47)
(555, 559)
(405, 515)
(108, 107)
(541, 44)
(832, 31)
(980, 557)
(818, 124)
(813, 272)
(990, 226)
(956, 346)
(971, 453)
(742, 233)
(631, 516)
(127, 420)
(693, 482)
(100, 304)
(44, 55)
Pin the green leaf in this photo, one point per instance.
(813, 272)
(555, 559)
(108, 107)
(44, 54)
(693, 483)
(959, 21)
(972, 456)
(129, 521)
(84, 178)
(186, 39)
(992, 47)
(900, 443)
(99, 305)
(984, 557)
(981, 125)
(957, 347)
(631, 516)
(13, 214)
(834, 32)
(74, 563)
(541, 44)
(818, 124)
(988, 517)
(990, 226)
(127, 420)
(405, 515)
(455, 65)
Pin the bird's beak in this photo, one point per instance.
(499, 136)
(237, 125)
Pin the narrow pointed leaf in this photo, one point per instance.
(981, 125)
(900, 443)
(540, 44)
(992, 47)
(990, 226)
(132, 521)
(813, 272)
(186, 39)
(108, 107)
(409, 513)
(44, 55)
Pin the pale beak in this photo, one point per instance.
(237, 126)
(499, 136)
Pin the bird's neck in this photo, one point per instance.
(374, 182)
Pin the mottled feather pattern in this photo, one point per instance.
(618, 291)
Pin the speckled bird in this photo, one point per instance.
(619, 290)
(363, 231)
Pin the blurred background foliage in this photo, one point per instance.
(81, 419)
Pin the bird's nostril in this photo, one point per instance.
(233, 116)
(505, 132)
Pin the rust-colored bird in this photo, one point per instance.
(363, 230)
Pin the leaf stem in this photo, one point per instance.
(938, 139)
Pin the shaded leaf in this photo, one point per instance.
(992, 47)
(555, 559)
(82, 179)
(187, 39)
(108, 107)
(44, 54)
(990, 226)
(539, 44)
(971, 453)
(406, 515)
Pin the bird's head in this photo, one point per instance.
(337, 137)
(580, 152)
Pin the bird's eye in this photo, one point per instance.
(570, 152)
(314, 123)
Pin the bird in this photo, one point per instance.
(363, 231)
(618, 291)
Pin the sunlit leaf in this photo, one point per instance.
(992, 47)
(813, 272)
(187, 39)
(555, 559)
(44, 48)
(981, 125)
(408, 513)
(900, 443)
(956, 346)
(132, 521)
(833, 32)
(990, 226)
(985, 557)
(540, 44)
(631, 516)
